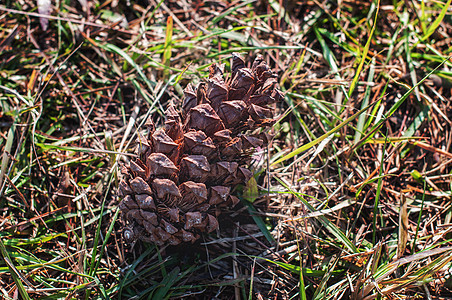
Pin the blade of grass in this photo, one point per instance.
(331, 60)
(297, 270)
(325, 222)
(229, 11)
(259, 222)
(362, 118)
(5, 157)
(376, 211)
(107, 236)
(167, 47)
(301, 278)
(94, 264)
(364, 54)
(319, 292)
(403, 226)
(321, 138)
(166, 284)
(413, 246)
(396, 106)
(115, 49)
(436, 23)
(15, 274)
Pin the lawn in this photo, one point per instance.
(350, 199)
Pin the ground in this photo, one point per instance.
(350, 200)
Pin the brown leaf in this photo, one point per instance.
(403, 226)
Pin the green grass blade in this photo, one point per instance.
(167, 47)
(14, 272)
(362, 118)
(297, 270)
(230, 10)
(437, 21)
(377, 196)
(364, 54)
(396, 106)
(129, 60)
(333, 229)
(413, 246)
(321, 138)
(259, 222)
(330, 58)
(166, 284)
(5, 156)
(107, 236)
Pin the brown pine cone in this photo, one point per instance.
(187, 170)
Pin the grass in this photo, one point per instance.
(351, 201)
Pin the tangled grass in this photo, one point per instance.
(351, 200)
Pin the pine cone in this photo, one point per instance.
(186, 171)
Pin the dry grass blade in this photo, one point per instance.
(403, 227)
